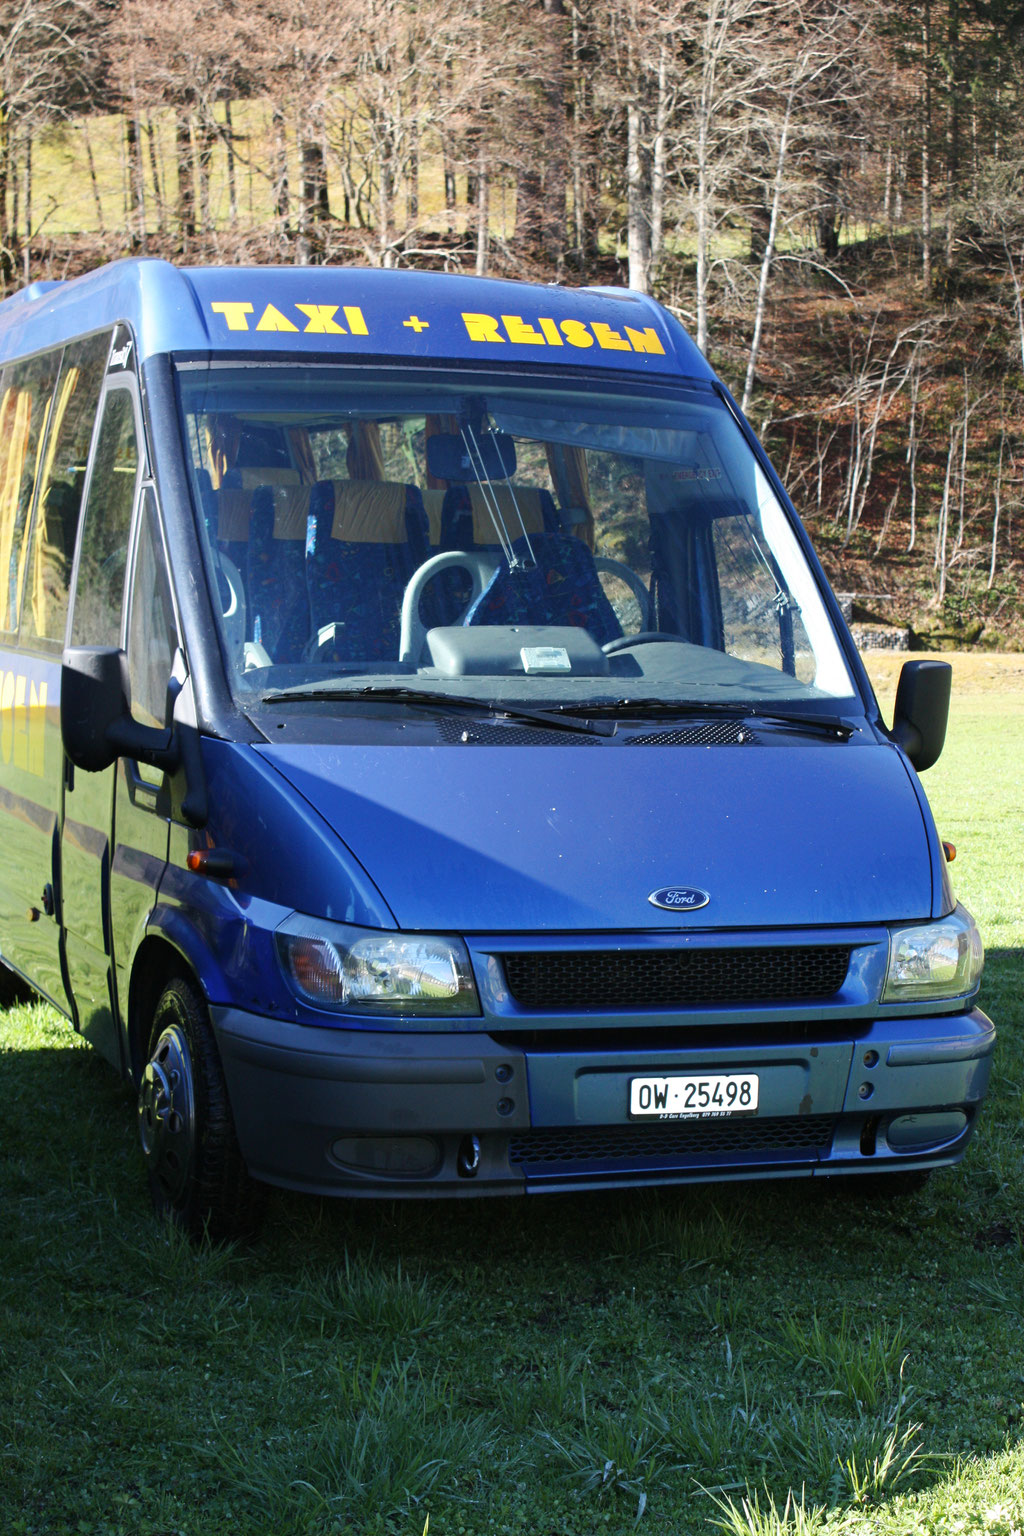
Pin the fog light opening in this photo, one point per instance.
(468, 1159)
(869, 1137)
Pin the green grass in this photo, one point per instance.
(768, 1360)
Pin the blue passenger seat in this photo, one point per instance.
(366, 538)
(468, 517)
(276, 571)
(562, 587)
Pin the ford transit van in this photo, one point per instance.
(432, 762)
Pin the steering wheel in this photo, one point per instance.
(630, 579)
(645, 637)
(481, 567)
(231, 599)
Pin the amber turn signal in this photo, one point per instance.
(218, 863)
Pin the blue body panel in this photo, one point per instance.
(351, 313)
(555, 838)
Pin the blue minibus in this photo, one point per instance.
(432, 762)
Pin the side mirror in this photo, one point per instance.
(96, 724)
(922, 710)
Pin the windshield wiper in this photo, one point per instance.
(829, 725)
(445, 703)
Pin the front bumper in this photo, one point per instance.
(378, 1113)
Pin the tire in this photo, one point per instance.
(196, 1173)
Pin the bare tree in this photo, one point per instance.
(48, 65)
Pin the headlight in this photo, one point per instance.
(362, 970)
(934, 960)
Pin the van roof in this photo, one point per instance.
(353, 311)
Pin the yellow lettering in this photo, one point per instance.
(37, 730)
(576, 333)
(20, 723)
(7, 716)
(645, 341)
(356, 323)
(609, 339)
(550, 330)
(273, 320)
(482, 328)
(321, 319)
(234, 314)
(517, 329)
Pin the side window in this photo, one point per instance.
(152, 632)
(61, 481)
(25, 394)
(99, 593)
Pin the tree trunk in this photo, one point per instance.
(555, 148)
(229, 149)
(136, 184)
(5, 179)
(97, 200)
(282, 202)
(482, 219)
(926, 134)
(186, 179)
(28, 201)
(207, 139)
(638, 224)
(316, 206)
(659, 166)
(953, 67)
(767, 258)
(154, 171)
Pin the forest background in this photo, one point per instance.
(828, 193)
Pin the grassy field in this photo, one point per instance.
(775, 1358)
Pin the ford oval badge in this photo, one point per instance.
(679, 898)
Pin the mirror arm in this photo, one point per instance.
(145, 743)
(195, 805)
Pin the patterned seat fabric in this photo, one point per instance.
(276, 566)
(561, 588)
(366, 538)
(467, 523)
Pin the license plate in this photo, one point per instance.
(698, 1097)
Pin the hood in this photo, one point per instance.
(488, 839)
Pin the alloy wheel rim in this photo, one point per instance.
(167, 1113)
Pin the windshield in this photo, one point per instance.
(558, 546)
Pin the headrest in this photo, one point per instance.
(513, 502)
(251, 475)
(291, 510)
(369, 511)
(233, 509)
(433, 501)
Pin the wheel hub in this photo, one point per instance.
(167, 1113)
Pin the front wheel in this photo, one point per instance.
(196, 1173)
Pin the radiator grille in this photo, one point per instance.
(674, 978)
(683, 1143)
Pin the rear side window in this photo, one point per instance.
(99, 597)
(62, 479)
(26, 391)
